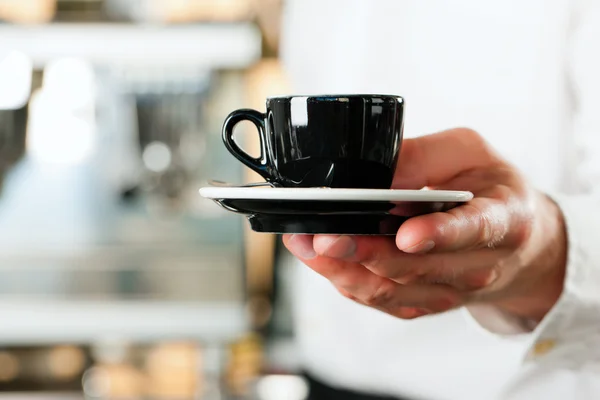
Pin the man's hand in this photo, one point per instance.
(506, 247)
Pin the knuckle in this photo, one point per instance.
(410, 278)
(470, 133)
(478, 279)
(443, 273)
(477, 142)
(437, 271)
(410, 313)
(484, 235)
(372, 259)
(524, 229)
(491, 226)
(382, 295)
(493, 231)
(388, 269)
(384, 266)
(451, 228)
(472, 137)
(503, 193)
(468, 213)
(524, 221)
(345, 293)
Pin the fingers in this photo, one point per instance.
(481, 223)
(374, 290)
(302, 245)
(465, 271)
(380, 256)
(434, 159)
(400, 312)
(437, 260)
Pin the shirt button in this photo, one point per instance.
(542, 347)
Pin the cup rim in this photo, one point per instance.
(338, 97)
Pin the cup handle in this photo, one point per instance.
(258, 119)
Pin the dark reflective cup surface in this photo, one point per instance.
(339, 141)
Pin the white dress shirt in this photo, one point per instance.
(526, 75)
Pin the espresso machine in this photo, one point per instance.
(110, 262)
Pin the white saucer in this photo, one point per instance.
(328, 194)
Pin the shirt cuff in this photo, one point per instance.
(577, 311)
(495, 321)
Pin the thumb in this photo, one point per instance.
(434, 159)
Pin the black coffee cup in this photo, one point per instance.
(337, 141)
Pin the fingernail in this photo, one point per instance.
(336, 246)
(421, 247)
(302, 246)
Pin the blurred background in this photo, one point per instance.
(117, 281)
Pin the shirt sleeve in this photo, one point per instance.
(563, 358)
